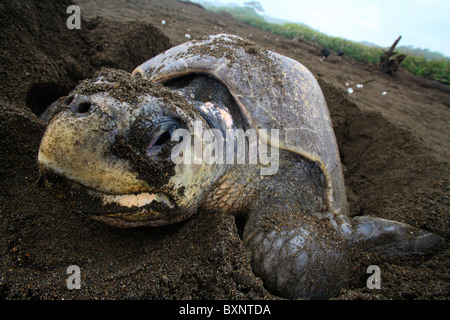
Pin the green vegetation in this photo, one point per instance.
(416, 62)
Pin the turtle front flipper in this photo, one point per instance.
(296, 254)
(306, 258)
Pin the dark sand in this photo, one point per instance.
(395, 149)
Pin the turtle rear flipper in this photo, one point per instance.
(391, 238)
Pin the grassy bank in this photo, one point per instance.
(431, 69)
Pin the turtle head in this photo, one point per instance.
(113, 137)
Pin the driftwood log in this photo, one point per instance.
(390, 60)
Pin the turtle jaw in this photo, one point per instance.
(138, 218)
(147, 208)
(154, 214)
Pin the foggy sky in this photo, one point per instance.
(423, 24)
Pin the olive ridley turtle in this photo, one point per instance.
(115, 137)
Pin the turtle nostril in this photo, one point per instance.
(83, 107)
(69, 100)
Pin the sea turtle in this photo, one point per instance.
(114, 137)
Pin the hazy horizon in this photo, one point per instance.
(421, 24)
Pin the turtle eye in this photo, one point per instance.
(159, 141)
(163, 138)
(161, 134)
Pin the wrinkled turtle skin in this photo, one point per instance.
(112, 138)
